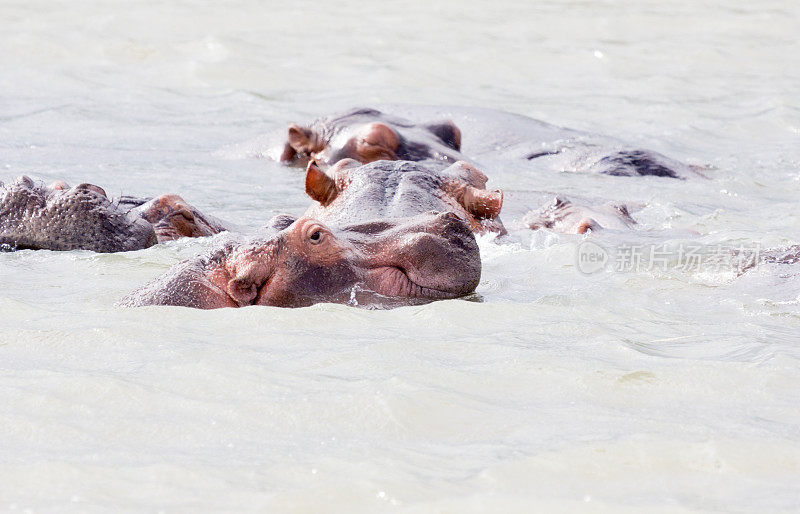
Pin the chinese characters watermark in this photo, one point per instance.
(592, 257)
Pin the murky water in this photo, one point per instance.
(661, 389)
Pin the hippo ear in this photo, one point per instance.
(319, 185)
(288, 153)
(247, 275)
(481, 203)
(448, 132)
(297, 136)
(242, 291)
(302, 140)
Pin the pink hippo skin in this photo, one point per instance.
(426, 257)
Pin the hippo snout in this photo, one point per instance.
(440, 254)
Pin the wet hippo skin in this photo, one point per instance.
(406, 132)
(60, 217)
(425, 257)
(368, 135)
(350, 192)
(568, 217)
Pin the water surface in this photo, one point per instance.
(657, 390)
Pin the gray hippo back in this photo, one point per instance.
(56, 218)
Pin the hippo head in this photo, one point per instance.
(59, 217)
(566, 217)
(429, 256)
(368, 135)
(172, 218)
(348, 192)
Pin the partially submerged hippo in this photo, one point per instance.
(428, 256)
(489, 134)
(349, 192)
(172, 218)
(468, 133)
(786, 255)
(59, 217)
(564, 216)
(368, 135)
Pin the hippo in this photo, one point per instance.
(368, 135)
(349, 192)
(786, 255)
(59, 217)
(490, 134)
(299, 262)
(564, 216)
(465, 133)
(173, 218)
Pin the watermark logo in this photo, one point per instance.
(591, 257)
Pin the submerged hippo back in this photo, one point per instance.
(36, 217)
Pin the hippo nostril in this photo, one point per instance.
(59, 185)
(242, 291)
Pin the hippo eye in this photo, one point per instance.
(315, 236)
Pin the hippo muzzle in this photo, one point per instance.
(434, 256)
